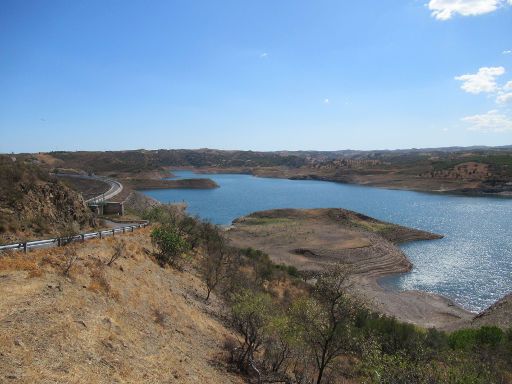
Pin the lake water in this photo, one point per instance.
(472, 265)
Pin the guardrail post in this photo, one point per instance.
(59, 242)
(113, 232)
(100, 235)
(124, 229)
(25, 248)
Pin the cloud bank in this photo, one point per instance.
(482, 81)
(492, 121)
(446, 9)
(485, 81)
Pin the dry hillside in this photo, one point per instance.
(33, 204)
(130, 322)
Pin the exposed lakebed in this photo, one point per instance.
(472, 264)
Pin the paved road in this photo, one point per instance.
(115, 187)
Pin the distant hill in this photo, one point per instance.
(465, 170)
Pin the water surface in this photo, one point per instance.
(472, 265)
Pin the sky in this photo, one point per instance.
(254, 75)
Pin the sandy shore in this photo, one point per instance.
(417, 307)
(311, 240)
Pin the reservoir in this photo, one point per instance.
(472, 264)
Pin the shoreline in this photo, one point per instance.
(281, 174)
(421, 308)
(328, 236)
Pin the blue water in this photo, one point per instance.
(472, 265)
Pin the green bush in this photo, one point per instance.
(250, 314)
(489, 336)
(171, 245)
(463, 339)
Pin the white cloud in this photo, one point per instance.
(503, 98)
(482, 81)
(492, 121)
(445, 9)
(264, 55)
(507, 52)
(327, 101)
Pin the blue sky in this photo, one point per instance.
(260, 75)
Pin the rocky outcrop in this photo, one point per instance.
(138, 202)
(34, 205)
(499, 314)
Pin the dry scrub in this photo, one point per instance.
(130, 322)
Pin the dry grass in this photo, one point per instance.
(18, 262)
(132, 322)
(282, 233)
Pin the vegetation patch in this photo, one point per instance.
(266, 220)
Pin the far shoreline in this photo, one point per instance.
(281, 174)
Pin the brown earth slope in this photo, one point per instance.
(500, 314)
(132, 322)
(33, 204)
(314, 239)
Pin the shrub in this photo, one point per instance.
(118, 251)
(69, 231)
(325, 321)
(171, 245)
(215, 259)
(462, 339)
(489, 336)
(70, 258)
(250, 314)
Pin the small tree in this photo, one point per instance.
(325, 320)
(280, 343)
(250, 314)
(70, 258)
(191, 228)
(68, 232)
(118, 251)
(171, 245)
(215, 259)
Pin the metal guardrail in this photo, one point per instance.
(59, 241)
(115, 186)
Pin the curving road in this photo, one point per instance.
(115, 227)
(115, 187)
